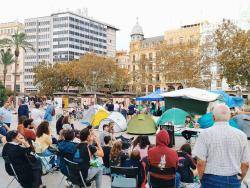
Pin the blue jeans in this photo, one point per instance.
(177, 180)
(214, 181)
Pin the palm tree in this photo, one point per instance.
(6, 59)
(17, 41)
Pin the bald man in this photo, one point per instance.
(222, 152)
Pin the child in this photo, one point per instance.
(106, 150)
(186, 163)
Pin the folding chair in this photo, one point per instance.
(124, 177)
(7, 161)
(161, 183)
(45, 160)
(75, 175)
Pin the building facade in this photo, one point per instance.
(122, 59)
(65, 36)
(6, 31)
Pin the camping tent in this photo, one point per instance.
(243, 121)
(94, 115)
(175, 115)
(230, 101)
(191, 100)
(141, 124)
(155, 96)
(120, 123)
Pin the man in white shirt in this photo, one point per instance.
(6, 114)
(116, 107)
(222, 152)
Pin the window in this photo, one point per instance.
(150, 56)
(133, 58)
(8, 78)
(191, 39)
(17, 87)
(181, 40)
(171, 42)
(18, 78)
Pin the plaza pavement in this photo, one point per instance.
(53, 180)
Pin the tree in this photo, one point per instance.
(3, 96)
(89, 73)
(18, 41)
(6, 59)
(233, 45)
(180, 63)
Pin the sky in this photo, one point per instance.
(155, 16)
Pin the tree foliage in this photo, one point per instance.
(180, 63)
(233, 45)
(91, 72)
(7, 58)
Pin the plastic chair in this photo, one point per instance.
(161, 183)
(7, 161)
(75, 175)
(124, 177)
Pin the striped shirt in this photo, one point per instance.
(223, 148)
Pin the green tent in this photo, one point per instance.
(141, 124)
(175, 115)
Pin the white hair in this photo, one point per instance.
(221, 112)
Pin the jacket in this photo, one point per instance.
(162, 156)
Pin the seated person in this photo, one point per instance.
(29, 130)
(17, 149)
(186, 163)
(135, 161)
(43, 139)
(87, 152)
(106, 150)
(142, 146)
(67, 148)
(162, 157)
(117, 155)
(20, 126)
(105, 132)
(187, 134)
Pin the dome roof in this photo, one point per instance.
(137, 29)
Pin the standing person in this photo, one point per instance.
(123, 111)
(49, 112)
(116, 107)
(37, 114)
(161, 156)
(222, 153)
(131, 110)
(6, 114)
(86, 153)
(23, 109)
(110, 106)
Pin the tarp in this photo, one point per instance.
(120, 123)
(193, 93)
(175, 115)
(141, 124)
(207, 121)
(230, 101)
(243, 121)
(192, 100)
(94, 115)
(155, 96)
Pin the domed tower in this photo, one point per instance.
(137, 33)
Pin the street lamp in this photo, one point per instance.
(93, 82)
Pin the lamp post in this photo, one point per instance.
(67, 80)
(93, 82)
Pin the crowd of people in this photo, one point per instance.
(220, 157)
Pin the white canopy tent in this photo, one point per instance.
(193, 93)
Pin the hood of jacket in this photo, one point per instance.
(162, 138)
